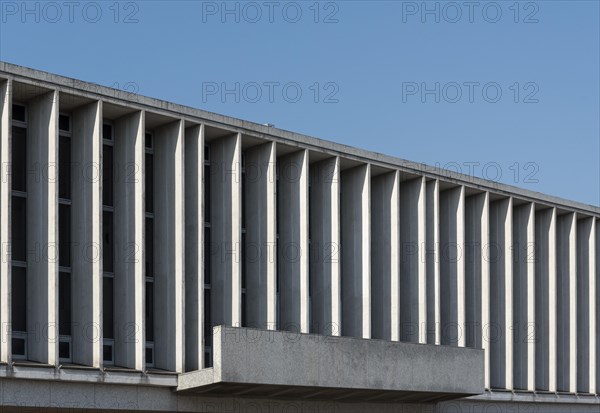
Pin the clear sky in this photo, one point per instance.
(504, 90)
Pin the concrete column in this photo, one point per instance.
(129, 285)
(261, 237)
(385, 258)
(432, 262)
(586, 306)
(566, 295)
(524, 297)
(356, 252)
(194, 241)
(169, 246)
(500, 331)
(545, 299)
(596, 294)
(42, 229)
(226, 230)
(325, 262)
(86, 207)
(452, 266)
(5, 196)
(477, 275)
(293, 259)
(413, 298)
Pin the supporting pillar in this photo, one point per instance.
(432, 263)
(42, 229)
(129, 285)
(325, 247)
(385, 260)
(356, 252)
(169, 247)
(5, 198)
(86, 207)
(261, 237)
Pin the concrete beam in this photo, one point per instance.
(325, 264)
(356, 251)
(169, 247)
(194, 247)
(5, 204)
(413, 297)
(385, 257)
(261, 237)
(42, 229)
(226, 230)
(129, 270)
(501, 277)
(432, 262)
(86, 207)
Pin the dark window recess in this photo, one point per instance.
(207, 360)
(64, 123)
(19, 159)
(107, 242)
(107, 353)
(149, 312)
(244, 310)
(149, 182)
(148, 141)
(243, 256)
(19, 299)
(107, 308)
(149, 239)
(19, 229)
(107, 175)
(64, 305)
(64, 350)
(107, 132)
(64, 167)
(206, 178)
(64, 235)
(207, 257)
(149, 355)
(207, 320)
(18, 346)
(206, 153)
(244, 200)
(18, 113)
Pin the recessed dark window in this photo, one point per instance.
(207, 251)
(107, 309)
(64, 305)
(64, 123)
(148, 140)
(149, 355)
(149, 312)
(18, 113)
(64, 167)
(107, 242)
(19, 159)
(149, 238)
(107, 353)
(18, 346)
(149, 183)
(206, 153)
(107, 132)
(64, 235)
(19, 229)
(207, 322)
(19, 299)
(64, 350)
(107, 175)
(206, 199)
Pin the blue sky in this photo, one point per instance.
(505, 90)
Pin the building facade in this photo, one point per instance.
(161, 258)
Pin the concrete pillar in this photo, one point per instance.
(586, 306)
(226, 230)
(596, 294)
(194, 241)
(432, 262)
(385, 258)
(452, 266)
(413, 297)
(545, 299)
(86, 207)
(325, 264)
(477, 275)
(293, 258)
(42, 229)
(5, 196)
(566, 295)
(261, 237)
(524, 297)
(356, 252)
(500, 331)
(169, 246)
(129, 285)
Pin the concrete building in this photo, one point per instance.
(161, 258)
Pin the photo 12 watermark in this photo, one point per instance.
(270, 92)
(270, 12)
(470, 92)
(69, 12)
(435, 12)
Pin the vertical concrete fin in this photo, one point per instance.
(593, 307)
(325, 243)
(5, 202)
(485, 286)
(552, 303)
(86, 207)
(194, 251)
(432, 254)
(42, 229)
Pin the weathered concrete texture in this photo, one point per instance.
(256, 358)
(86, 209)
(356, 251)
(293, 256)
(385, 257)
(432, 261)
(325, 263)
(5, 202)
(194, 242)
(508, 402)
(42, 229)
(129, 215)
(261, 237)
(169, 247)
